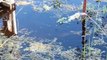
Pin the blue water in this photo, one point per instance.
(44, 26)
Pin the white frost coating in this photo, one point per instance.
(75, 16)
(39, 47)
(69, 7)
(99, 42)
(47, 8)
(71, 18)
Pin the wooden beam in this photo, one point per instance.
(8, 18)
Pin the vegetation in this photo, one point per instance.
(24, 47)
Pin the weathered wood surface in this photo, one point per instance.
(7, 14)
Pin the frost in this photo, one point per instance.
(70, 54)
(38, 9)
(47, 8)
(39, 47)
(71, 18)
(62, 20)
(99, 42)
(69, 7)
(24, 47)
(75, 16)
(94, 54)
(45, 49)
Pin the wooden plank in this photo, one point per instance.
(9, 21)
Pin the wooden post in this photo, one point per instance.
(84, 31)
(9, 19)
